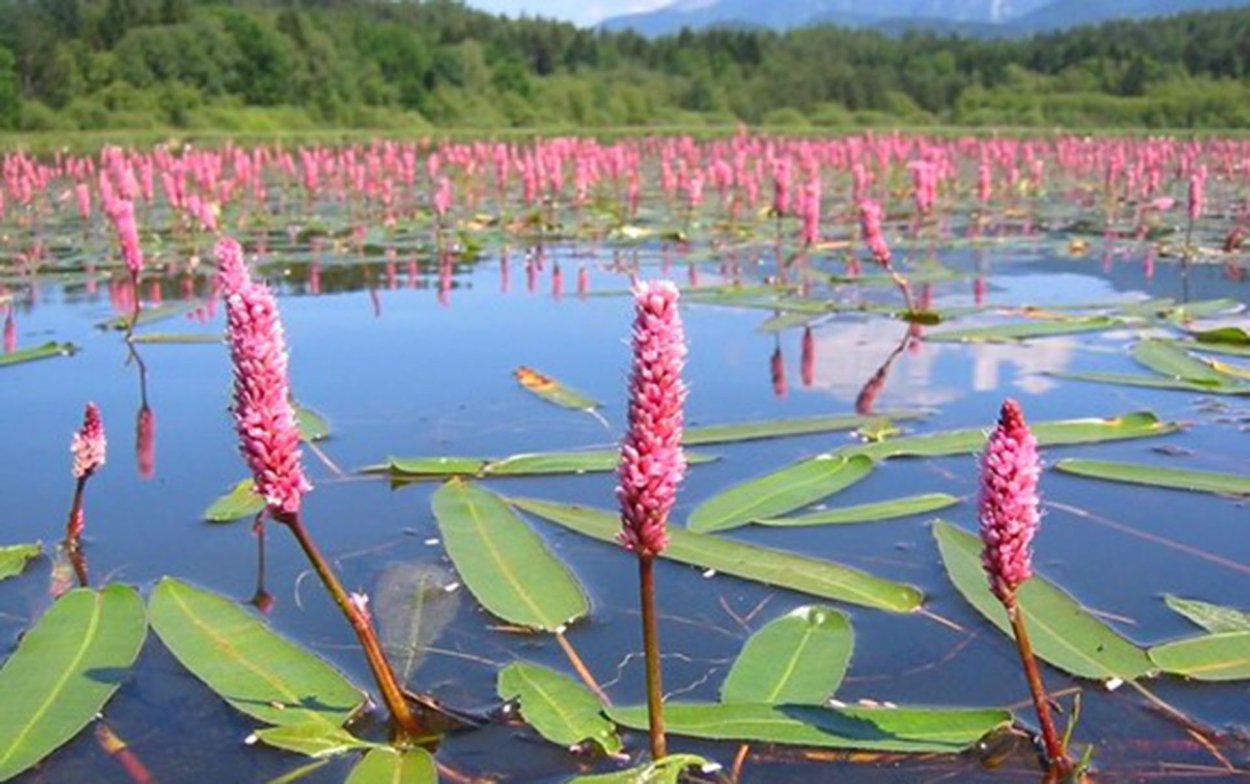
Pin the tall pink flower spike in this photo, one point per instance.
(264, 418)
(1009, 515)
(1008, 501)
(89, 445)
(652, 462)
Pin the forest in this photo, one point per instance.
(283, 66)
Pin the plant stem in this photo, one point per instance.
(1056, 754)
(73, 532)
(404, 724)
(651, 648)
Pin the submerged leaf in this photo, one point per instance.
(250, 666)
(1157, 476)
(1212, 617)
(906, 730)
(389, 766)
(1064, 633)
(799, 658)
(503, 562)
(64, 670)
(558, 707)
(1210, 657)
(867, 513)
(312, 426)
(780, 492)
(13, 558)
(772, 567)
(413, 607)
(241, 501)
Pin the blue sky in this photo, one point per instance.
(579, 11)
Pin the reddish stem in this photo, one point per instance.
(651, 649)
(73, 532)
(405, 726)
(1056, 754)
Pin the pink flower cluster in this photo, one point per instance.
(870, 216)
(1008, 501)
(652, 462)
(264, 418)
(89, 446)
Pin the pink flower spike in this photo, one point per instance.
(652, 462)
(89, 446)
(269, 436)
(231, 267)
(1008, 502)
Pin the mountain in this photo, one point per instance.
(965, 17)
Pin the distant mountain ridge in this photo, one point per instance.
(968, 17)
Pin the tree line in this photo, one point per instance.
(307, 64)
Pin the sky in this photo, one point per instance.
(583, 12)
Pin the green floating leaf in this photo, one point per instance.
(799, 658)
(177, 337)
(554, 391)
(250, 666)
(778, 428)
(528, 464)
(45, 351)
(1223, 336)
(761, 564)
(904, 730)
(782, 491)
(503, 562)
(868, 513)
(558, 707)
(386, 766)
(1153, 382)
(64, 670)
(1157, 476)
(1212, 617)
(1025, 330)
(665, 771)
(13, 558)
(1205, 308)
(1168, 359)
(313, 427)
(315, 739)
(146, 316)
(1210, 657)
(413, 607)
(1064, 432)
(1063, 633)
(241, 501)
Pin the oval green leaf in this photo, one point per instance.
(905, 730)
(1025, 330)
(1212, 617)
(1153, 382)
(241, 501)
(666, 771)
(386, 766)
(45, 351)
(1158, 476)
(779, 428)
(553, 390)
(541, 463)
(250, 666)
(1064, 634)
(799, 658)
(1166, 358)
(868, 513)
(503, 562)
(171, 338)
(558, 707)
(1210, 657)
(313, 427)
(780, 492)
(315, 739)
(800, 573)
(64, 670)
(13, 559)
